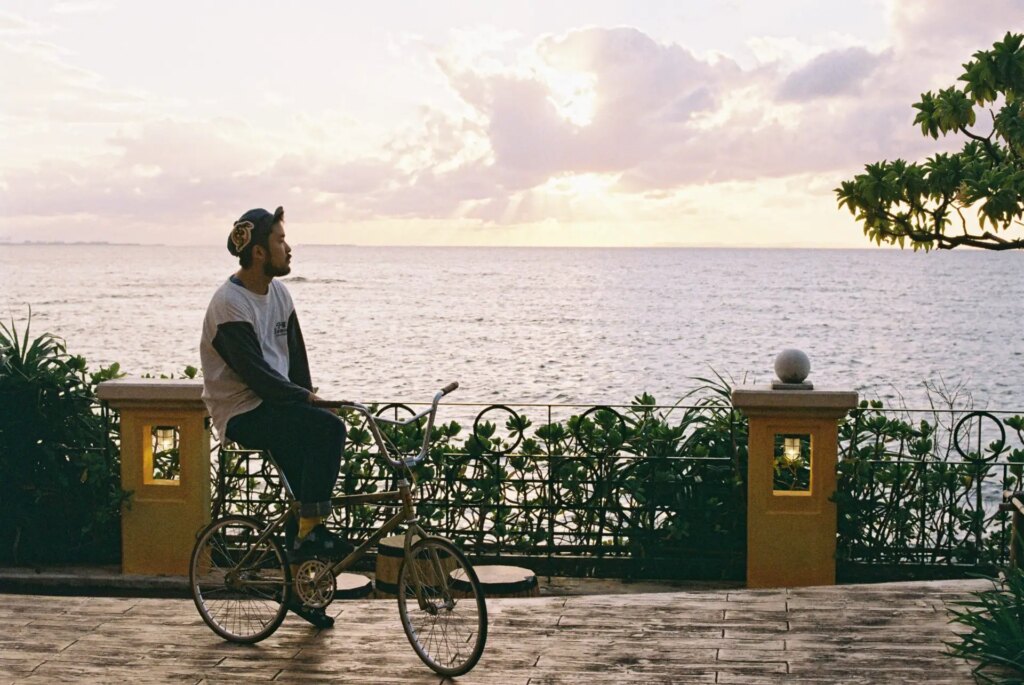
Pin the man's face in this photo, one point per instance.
(279, 254)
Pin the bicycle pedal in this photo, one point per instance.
(317, 617)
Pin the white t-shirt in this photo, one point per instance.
(251, 350)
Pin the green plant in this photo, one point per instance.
(642, 483)
(59, 465)
(901, 201)
(661, 490)
(995, 639)
(906, 496)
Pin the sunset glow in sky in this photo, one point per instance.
(465, 122)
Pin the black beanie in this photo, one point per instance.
(252, 227)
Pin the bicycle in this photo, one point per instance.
(242, 581)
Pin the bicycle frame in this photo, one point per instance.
(407, 515)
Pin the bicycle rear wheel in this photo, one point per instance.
(240, 584)
(448, 629)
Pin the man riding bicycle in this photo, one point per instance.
(256, 380)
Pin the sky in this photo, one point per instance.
(596, 123)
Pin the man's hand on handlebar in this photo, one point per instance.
(318, 401)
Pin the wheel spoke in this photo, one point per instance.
(450, 632)
(240, 603)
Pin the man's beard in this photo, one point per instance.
(272, 271)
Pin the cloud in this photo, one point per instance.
(946, 26)
(40, 86)
(841, 72)
(168, 172)
(12, 23)
(933, 39)
(644, 94)
(662, 116)
(82, 7)
(590, 125)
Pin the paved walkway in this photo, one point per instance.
(891, 633)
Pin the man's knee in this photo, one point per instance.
(331, 425)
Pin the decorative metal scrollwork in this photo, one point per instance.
(512, 422)
(665, 487)
(966, 423)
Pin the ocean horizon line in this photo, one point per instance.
(766, 248)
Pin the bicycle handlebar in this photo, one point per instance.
(363, 409)
(335, 404)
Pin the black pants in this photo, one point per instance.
(306, 442)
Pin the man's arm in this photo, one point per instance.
(237, 344)
(298, 364)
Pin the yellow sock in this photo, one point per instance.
(308, 523)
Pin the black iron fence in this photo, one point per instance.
(647, 490)
(918, 491)
(641, 490)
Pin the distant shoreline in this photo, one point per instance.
(758, 248)
(766, 248)
(61, 243)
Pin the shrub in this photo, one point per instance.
(59, 463)
(995, 641)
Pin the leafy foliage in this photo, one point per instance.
(59, 464)
(656, 486)
(664, 487)
(995, 639)
(645, 483)
(899, 202)
(920, 493)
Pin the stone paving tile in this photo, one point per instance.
(851, 634)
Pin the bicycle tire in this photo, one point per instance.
(436, 631)
(242, 605)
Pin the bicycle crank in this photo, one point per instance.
(315, 584)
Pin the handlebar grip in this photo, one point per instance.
(450, 387)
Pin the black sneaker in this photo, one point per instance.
(321, 544)
(317, 617)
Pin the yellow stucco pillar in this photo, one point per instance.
(165, 464)
(791, 475)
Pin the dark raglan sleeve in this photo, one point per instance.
(298, 363)
(237, 344)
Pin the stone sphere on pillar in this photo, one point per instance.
(792, 366)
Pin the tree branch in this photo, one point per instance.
(908, 230)
(985, 241)
(986, 140)
(940, 213)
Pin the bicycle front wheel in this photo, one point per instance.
(240, 584)
(442, 607)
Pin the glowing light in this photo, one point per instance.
(791, 451)
(573, 95)
(581, 184)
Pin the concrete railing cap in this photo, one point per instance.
(149, 390)
(765, 398)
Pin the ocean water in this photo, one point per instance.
(559, 325)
